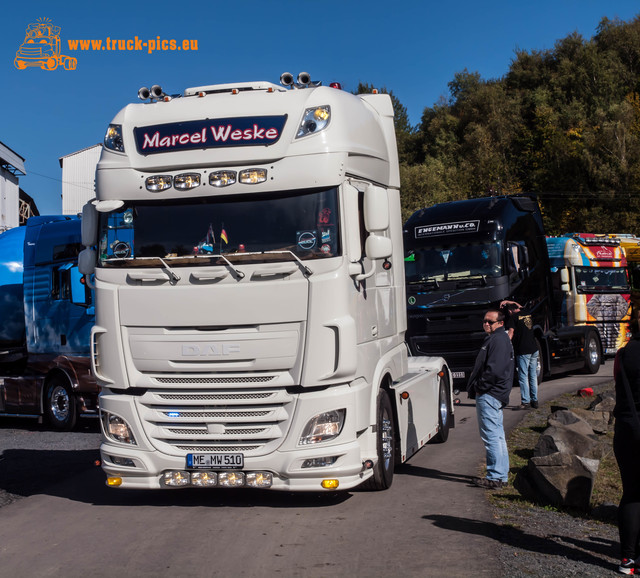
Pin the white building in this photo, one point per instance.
(11, 167)
(78, 178)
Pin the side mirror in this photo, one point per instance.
(78, 289)
(378, 247)
(87, 260)
(376, 209)
(89, 225)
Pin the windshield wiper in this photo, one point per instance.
(307, 271)
(173, 276)
(425, 284)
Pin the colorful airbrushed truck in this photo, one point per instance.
(246, 241)
(594, 284)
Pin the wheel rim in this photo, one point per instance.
(60, 403)
(444, 406)
(593, 351)
(387, 440)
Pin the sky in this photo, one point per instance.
(412, 47)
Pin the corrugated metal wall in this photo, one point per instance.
(9, 195)
(78, 177)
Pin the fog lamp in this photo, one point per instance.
(231, 479)
(114, 482)
(204, 479)
(176, 479)
(158, 183)
(118, 461)
(259, 479)
(186, 181)
(319, 462)
(253, 176)
(322, 427)
(222, 178)
(330, 484)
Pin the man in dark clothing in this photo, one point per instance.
(626, 447)
(490, 385)
(520, 329)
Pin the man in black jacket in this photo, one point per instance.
(490, 385)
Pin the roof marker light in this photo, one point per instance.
(335, 85)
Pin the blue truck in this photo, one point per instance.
(46, 315)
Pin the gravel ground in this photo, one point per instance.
(544, 543)
(536, 541)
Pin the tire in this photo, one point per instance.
(59, 404)
(592, 353)
(385, 444)
(52, 63)
(540, 369)
(70, 63)
(444, 412)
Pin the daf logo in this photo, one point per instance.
(209, 349)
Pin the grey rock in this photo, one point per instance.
(600, 421)
(569, 440)
(564, 479)
(604, 402)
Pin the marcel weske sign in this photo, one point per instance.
(206, 134)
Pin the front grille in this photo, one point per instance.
(213, 396)
(216, 380)
(252, 422)
(213, 448)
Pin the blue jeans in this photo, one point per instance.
(528, 376)
(489, 411)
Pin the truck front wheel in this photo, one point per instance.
(444, 411)
(385, 444)
(59, 404)
(540, 367)
(592, 353)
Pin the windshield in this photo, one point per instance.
(293, 224)
(599, 280)
(478, 260)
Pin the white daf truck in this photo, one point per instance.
(246, 249)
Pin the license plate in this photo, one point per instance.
(457, 374)
(215, 461)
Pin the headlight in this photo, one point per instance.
(323, 427)
(116, 428)
(113, 138)
(314, 120)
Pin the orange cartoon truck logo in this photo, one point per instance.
(41, 47)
